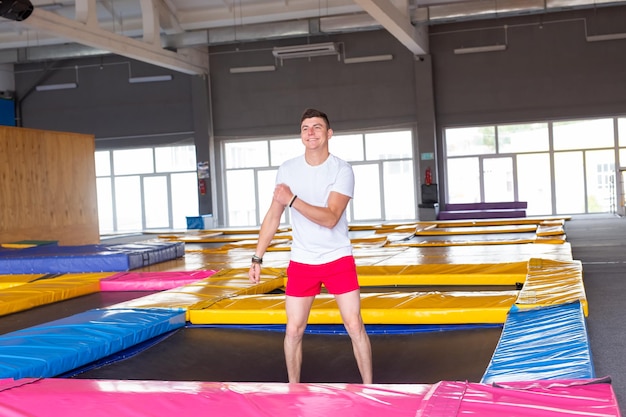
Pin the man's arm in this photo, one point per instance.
(266, 234)
(324, 216)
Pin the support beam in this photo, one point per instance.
(86, 12)
(398, 24)
(151, 26)
(189, 62)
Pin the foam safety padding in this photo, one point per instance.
(376, 308)
(542, 344)
(87, 258)
(47, 289)
(124, 398)
(60, 346)
(151, 281)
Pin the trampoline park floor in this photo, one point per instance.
(237, 354)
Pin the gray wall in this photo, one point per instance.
(548, 71)
(105, 103)
(353, 95)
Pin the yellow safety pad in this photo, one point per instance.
(475, 230)
(8, 281)
(443, 274)
(503, 221)
(48, 291)
(550, 230)
(204, 293)
(553, 282)
(556, 239)
(463, 254)
(465, 241)
(376, 308)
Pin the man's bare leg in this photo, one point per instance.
(350, 308)
(297, 309)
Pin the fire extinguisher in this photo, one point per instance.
(428, 179)
(202, 186)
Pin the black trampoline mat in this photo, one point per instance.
(236, 355)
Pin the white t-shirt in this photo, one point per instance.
(314, 244)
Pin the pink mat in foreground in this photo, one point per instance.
(152, 281)
(126, 398)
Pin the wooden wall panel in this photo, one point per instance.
(47, 187)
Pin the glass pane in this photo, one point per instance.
(622, 157)
(175, 158)
(347, 147)
(471, 141)
(531, 137)
(583, 134)
(366, 201)
(498, 177)
(621, 129)
(569, 182)
(133, 161)
(388, 145)
(533, 183)
(103, 163)
(239, 197)
(267, 183)
(105, 205)
(184, 198)
(155, 196)
(399, 189)
(623, 188)
(600, 181)
(463, 180)
(246, 154)
(284, 149)
(128, 203)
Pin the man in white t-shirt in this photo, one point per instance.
(317, 187)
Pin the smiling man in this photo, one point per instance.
(317, 188)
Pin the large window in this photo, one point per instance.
(382, 164)
(563, 167)
(146, 188)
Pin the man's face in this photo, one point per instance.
(315, 133)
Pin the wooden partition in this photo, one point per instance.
(47, 187)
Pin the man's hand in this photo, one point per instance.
(283, 194)
(255, 273)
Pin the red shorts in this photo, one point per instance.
(339, 277)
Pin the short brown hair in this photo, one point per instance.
(308, 113)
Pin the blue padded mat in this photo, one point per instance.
(60, 346)
(546, 343)
(87, 258)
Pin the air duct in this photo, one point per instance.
(17, 10)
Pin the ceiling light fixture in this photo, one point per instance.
(305, 51)
(50, 87)
(242, 70)
(479, 49)
(608, 37)
(150, 79)
(371, 58)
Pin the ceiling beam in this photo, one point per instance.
(398, 23)
(189, 61)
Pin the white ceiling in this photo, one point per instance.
(175, 33)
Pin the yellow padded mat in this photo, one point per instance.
(475, 230)
(376, 308)
(14, 280)
(443, 274)
(48, 291)
(553, 282)
(204, 293)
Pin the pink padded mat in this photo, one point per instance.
(152, 281)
